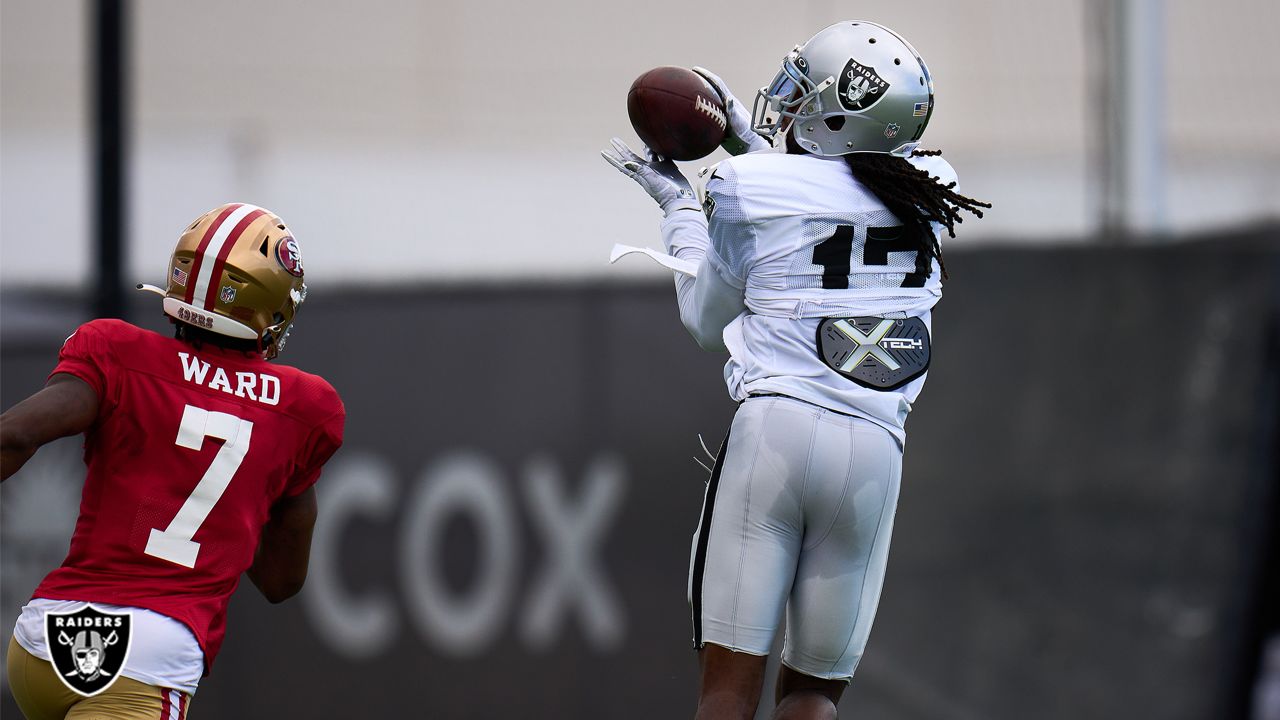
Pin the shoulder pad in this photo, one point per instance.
(936, 166)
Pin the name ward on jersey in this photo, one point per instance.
(259, 387)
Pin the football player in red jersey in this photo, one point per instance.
(201, 459)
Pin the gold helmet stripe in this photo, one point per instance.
(211, 245)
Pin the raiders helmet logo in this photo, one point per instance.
(860, 87)
(289, 255)
(88, 647)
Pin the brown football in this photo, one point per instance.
(677, 113)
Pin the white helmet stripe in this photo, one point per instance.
(210, 257)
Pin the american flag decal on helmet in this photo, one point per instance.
(179, 277)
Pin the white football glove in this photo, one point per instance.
(741, 136)
(660, 178)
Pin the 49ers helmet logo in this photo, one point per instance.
(289, 255)
(860, 86)
(88, 647)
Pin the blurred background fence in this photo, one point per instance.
(1088, 526)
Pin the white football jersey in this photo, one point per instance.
(805, 241)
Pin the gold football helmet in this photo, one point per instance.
(236, 271)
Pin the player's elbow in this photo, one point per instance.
(281, 589)
(711, 341)
(277, 581)
(278, 597)
(708, 337)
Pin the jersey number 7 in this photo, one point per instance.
(835, 254)
(174, 543)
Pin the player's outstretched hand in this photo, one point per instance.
(740, 136)
(660, 178)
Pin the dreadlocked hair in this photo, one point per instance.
(914, 196)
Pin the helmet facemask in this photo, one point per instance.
(775, 107)
(273, 338)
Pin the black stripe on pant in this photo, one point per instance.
(704, 536)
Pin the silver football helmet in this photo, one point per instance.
(854, 87)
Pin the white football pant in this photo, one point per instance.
(798, 513)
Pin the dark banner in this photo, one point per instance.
(506, 531)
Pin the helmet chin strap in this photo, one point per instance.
(272, 347)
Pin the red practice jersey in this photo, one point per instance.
(191, 448)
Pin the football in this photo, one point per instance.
(677, 113)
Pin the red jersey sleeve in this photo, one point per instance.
(88, 355)
(324, 441)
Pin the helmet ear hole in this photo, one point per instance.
(263, 248)
(835, 123)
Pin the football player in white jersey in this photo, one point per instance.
(818, 262)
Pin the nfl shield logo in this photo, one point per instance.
(860, 86)
(228, 294)
(88, 647)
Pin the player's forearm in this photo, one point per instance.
(279, 568)
(707, 305)
(684, 233)
(66, 406)
(15, 450)
(276, 585)
(708, 338)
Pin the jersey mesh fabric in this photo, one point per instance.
(780, 207)
(731, 235)
(771, 211)
(139, 476)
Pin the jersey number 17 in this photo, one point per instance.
(835, 254)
